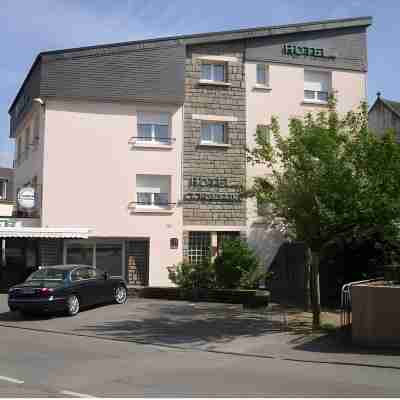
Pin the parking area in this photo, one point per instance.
(208, 327)
(172, 323)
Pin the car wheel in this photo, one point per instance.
(73, 305)
(120, 294)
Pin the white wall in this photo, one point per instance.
(285, 100)
(90, 176)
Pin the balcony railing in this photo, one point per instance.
(152, 202)
(152, 199)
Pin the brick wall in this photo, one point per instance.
(230, 162)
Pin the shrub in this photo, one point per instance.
(193, 276)
(237, 266)
(251, 279)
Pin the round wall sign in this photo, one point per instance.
(27, 197)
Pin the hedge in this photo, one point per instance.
(250, 298)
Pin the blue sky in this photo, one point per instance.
(28, 27)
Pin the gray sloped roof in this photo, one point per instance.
(201, 38)
(393, 105)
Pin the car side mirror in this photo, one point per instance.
(105, 275)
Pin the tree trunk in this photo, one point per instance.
(315, 291)
(307, 279)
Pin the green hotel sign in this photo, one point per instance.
(8, 223)
(304, 51)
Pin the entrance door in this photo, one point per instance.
(137, 261)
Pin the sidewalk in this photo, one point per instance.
(276, 332)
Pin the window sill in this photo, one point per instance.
(258, 86)
(223, 145)
(151, 145)
(150, 210)
(315, 102)
(214, 83)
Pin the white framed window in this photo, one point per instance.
(213, 133)
(317, 86)
(3, 189)
(199, 247)
(262, 74)
(153, 127)
(153, 191)
(213, 72)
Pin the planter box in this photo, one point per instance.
(375, 314)
(249, 298)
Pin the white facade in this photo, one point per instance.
(283, 96)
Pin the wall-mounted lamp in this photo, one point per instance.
(39, 100)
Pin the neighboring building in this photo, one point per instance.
(383, 115)
(137, 150)
(6, 185)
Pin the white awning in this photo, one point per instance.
(45, 233)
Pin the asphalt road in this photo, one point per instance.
(196, 350)
(43, 364)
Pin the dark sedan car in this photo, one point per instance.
(66, 288)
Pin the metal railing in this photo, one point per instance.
(345, 300)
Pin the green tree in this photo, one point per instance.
(329, 179)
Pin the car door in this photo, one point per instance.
(84, 283)
(105, 285)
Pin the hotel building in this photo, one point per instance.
(137, 150)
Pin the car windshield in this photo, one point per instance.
(48, 274)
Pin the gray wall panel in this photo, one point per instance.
(154, 75)
(24, 103)
(348, 45)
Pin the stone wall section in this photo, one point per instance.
(205, 161)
